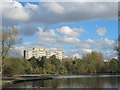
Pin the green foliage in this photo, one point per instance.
(13, 66)
(92, 63)
(56, 62)
(27, 67)
(42, 61)
(33, 62)
(113, 65)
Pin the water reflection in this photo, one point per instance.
(88, 82)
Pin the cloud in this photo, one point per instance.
(82, 44)
(28, 17)
(54, 7)
(17, 51)
(77, 55)
(73, 32)
(101, 31)
(48, 33)
(104, 43)
(57, 12)
(69, 51)
(27, 29)
(13, 12)
(68, 31)
(32, 6)
(69, 40)
(87, 51)
(110, 54)
(52, 39)
(72, 51)
(89, 41)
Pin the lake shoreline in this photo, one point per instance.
(47, 79)
(23, 78)
(19, 77)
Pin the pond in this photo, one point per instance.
(72, 81)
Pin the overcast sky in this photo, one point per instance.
(75, 27)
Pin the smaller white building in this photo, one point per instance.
(39, 52)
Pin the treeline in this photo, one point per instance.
(92, 63)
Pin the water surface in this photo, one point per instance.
(73, 81)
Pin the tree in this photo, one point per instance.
(68, 64)
(42, 61)
(113, 65)
(89, 63)
(9, 39)
(62, 69)
(80, 66)
(99, 60)
(94, 62)
(33, 62)
(56, 62)
(12, 66)
(27, 67)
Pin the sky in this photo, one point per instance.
(77, 28)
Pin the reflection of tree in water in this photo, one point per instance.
(53, 83)
(84, 83)
(112, 82)
(93, 82)
(18, 85)
(88, 83)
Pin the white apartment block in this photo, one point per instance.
(39, 52)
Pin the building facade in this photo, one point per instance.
(39, 52)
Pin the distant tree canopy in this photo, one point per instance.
(15, 66)
(92, 63)
(9, 39)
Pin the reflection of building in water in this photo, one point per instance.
(39, 52)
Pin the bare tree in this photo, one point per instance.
(9, 39)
